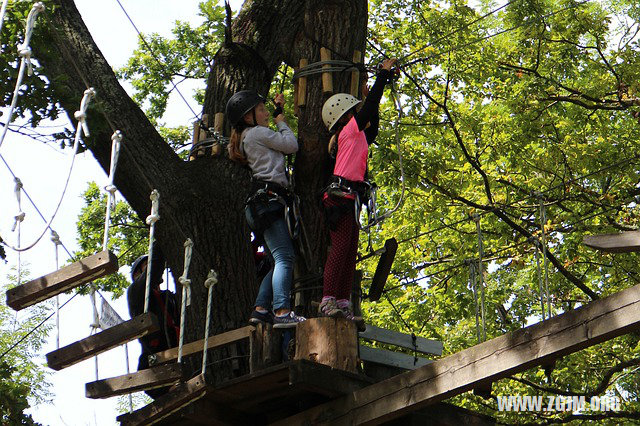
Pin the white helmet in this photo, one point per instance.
(335, 107)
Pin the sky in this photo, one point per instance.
(43, 170)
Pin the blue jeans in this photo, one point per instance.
(276, 285)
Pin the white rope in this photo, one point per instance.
(116, 140)
(82, 126)
(126, 355)
(543, 223)
(186, 292)
(472, 279)
(18, 222)
(3, 12)
(476, 218)
(25, 53)
(151, 221)
(536, 243)
(212, 280)
(55, 238)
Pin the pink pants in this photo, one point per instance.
(341, 261)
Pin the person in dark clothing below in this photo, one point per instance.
(162, 303)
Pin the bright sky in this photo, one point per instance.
(43, 169)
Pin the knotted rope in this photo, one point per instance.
(209, 283)
(186, 291)
(151, 221)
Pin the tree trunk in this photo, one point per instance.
(204, 199)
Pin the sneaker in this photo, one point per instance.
(329, 308)
(348, 314)
(258, 317)
(288, 321)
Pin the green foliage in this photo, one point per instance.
(23, 381)
(187, 55)
(128, 235)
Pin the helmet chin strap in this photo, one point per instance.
(255, 122)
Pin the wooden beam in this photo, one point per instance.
(328, 341)
(151, 378)
(327, 77)
(301, 99)
(180, 396)
(103, 341)
(493, 360)
(383, 335)
(355, 74)
(383, 269)
(392, 359)
(615, 243)
(66, 278)
(197, 346)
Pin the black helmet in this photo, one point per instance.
(136, 265)
(241, 103)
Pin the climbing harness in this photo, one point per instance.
(25, 63)
(186, 292)
(209, 283)
(151, 221)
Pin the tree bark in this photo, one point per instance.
(204, 199)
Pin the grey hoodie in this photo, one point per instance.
(265, 151)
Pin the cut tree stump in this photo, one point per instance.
(66, 278)
(328, 341)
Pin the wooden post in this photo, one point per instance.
(218, 127)
(327, 78)
(266, 347)
(302, 86)
(329, 341)
(355, 74)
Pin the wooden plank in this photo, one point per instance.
(151, 378)
(103, 341)
(215, 341)
(302, 86)
(327, 78)
(383, 335)
(493, 360)
(383, 269)
(66, 278)
(180, 396)
(625, 242)
(355, 74)
(392, 359)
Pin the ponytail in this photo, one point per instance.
(235, 153)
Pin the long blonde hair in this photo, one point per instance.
(235, 152)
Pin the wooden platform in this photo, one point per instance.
(624, 242)
(103, 341)
(71, 276)
(180, 396)
(151, 378)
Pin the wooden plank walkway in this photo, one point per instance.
(383, 335)
(493, 360)
(103, 341)
(66, 278)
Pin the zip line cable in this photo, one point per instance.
(154, 56)
(36, 327)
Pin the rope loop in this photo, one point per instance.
(155, 201)
(55, 238)
(183, 280)
(212, 279)
(81, 115)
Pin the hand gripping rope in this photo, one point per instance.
(116, 140)
(80, 129)
(25, 53)
(212, 280)
(151, 221)
(186, 291)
